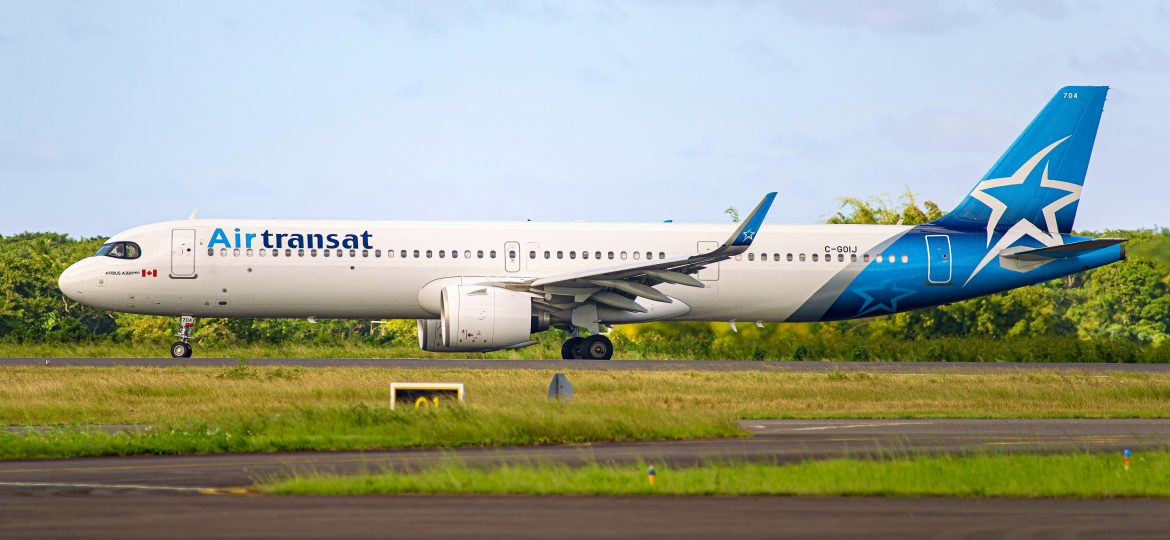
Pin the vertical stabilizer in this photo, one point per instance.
(1037, 182)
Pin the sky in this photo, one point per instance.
(117, 114)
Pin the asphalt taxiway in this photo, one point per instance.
(190, 495)
(779, 441)
(612, 365)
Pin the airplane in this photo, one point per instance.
(478, 287)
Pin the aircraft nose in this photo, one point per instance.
(70, 283)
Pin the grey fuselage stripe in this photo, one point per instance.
(814, 308)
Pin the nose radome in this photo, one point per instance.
(70, 282)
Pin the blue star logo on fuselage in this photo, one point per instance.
(883, 296)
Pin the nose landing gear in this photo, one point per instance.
(181, 348)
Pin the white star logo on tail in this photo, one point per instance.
(1024, 227)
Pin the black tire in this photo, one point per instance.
(570, 350)
(180, 350)
(597, 347)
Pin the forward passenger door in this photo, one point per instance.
(183, 253)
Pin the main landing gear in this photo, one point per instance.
(182, 348)
(595, 347)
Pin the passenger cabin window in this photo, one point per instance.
(479, 254)
(467, 254)
(751, 256)
(814, 257)
(597, 255)
(492, 253)
(121, 250)
(802, 257)
(532, 254)
(662, 255)
(789, 257)
(560, 254)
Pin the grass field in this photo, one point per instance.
(257, 409)
(993, 475)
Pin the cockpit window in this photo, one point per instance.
(119, 250)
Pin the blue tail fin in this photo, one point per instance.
(1038, 180)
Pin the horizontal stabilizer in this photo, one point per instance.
(1063, 251)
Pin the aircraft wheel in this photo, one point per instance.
(569, 350)
(180, 350)
(596, 347)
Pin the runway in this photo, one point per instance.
(152, 516)
(613, 365)
(144, 496)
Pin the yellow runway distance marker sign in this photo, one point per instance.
(425, 395)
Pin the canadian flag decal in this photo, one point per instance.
(149, 273)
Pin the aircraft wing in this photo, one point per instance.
(620, 286)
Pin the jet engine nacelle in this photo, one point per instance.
(430, 337)
(481, 318)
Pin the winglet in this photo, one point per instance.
(747, 230)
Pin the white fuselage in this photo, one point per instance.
(397, 269)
